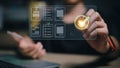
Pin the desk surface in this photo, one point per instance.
(68, 60)
(82, 61)
(77, 61)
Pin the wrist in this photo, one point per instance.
(112, 52)
(104, 48)
(109, 45)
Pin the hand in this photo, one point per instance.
(28, 48)
(97, 28)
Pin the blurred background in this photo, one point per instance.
(14, 16)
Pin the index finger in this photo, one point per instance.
(15, 36)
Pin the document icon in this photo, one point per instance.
(60, 11)
(59, 31)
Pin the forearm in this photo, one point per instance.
(114, 53)
(115, 44)
(104, 48)
(109, 53)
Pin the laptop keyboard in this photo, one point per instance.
(8, 65)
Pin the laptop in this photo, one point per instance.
(14, 62)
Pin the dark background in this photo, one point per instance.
(14, 16)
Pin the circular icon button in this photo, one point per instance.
(81, 22)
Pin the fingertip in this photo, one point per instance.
(43, 52)
(91, 9)
(39, 44)
(97, 14)
(89, 13)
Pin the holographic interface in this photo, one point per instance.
(48, 22)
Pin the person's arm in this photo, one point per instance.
(98, 28)
(111, 54)
(27, 47)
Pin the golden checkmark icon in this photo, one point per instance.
(81, 22)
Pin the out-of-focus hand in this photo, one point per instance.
(97, 28)
(28, 48)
